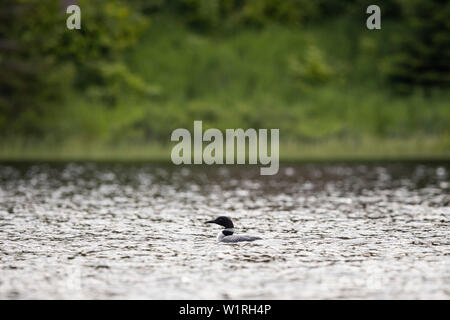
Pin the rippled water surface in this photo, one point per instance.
(137, 231)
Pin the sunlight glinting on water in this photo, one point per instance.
(137, 231)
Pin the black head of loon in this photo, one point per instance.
(223, 221)
(226, 235)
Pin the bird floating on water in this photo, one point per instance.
(226, 235)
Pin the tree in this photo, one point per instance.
(423, 55)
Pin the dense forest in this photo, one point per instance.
(137, 70)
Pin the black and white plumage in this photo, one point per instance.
(227, 234)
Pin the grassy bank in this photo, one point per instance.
(333, 150)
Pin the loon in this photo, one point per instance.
(226, 235)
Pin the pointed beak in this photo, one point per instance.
(212, 221)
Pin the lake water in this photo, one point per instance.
(137, 231)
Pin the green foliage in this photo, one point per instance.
(208, 15)
(423, 54)
(108, 27)
(291, 12)
(44, 60)
(310, 68)
(22, 66)
(307, 84)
